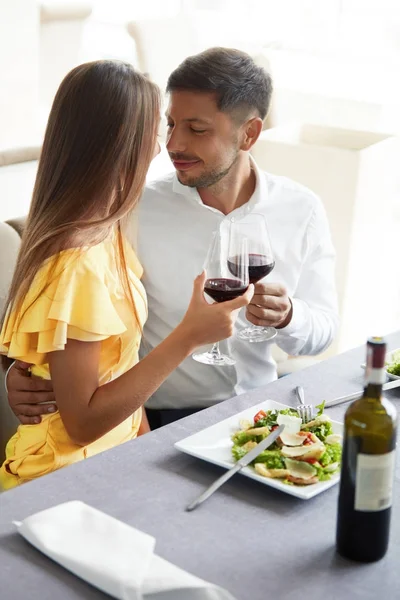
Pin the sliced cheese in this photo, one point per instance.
(334, 438)
(299, 469)
(310, 451)
(332, 467)
(245, 424)
(290, 422)
(292, 439)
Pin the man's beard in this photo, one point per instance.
(210, 178)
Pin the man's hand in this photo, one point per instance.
(25, 392)
(270, 306)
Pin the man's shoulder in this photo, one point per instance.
(159, 187)
(284, 190)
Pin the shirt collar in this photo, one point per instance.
(259, 196)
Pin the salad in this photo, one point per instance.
(394, 366)
(302, 455)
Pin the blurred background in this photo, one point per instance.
(333, 126)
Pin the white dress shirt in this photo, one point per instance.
(174, 231)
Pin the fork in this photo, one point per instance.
(305, 410)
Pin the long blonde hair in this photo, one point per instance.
(98, 146)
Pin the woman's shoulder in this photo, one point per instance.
(70, 296)
(95, 257)
(70, 275)
(84, 269)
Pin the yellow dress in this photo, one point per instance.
(84, 301)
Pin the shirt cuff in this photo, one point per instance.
(300, 317)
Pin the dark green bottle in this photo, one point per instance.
(365, 496)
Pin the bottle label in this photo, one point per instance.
(374, 481)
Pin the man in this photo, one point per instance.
(217, 102)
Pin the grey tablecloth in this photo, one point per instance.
(256, 542)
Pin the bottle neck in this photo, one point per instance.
(375, 374)
(374, 380)
(373, 390)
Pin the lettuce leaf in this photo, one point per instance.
(271, 419)
(238, 452)
(321, 474)
(394, 369)
(322, 430)
(242, 437)
(271, 458)
(332, 454)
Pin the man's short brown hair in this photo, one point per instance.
(239, 84)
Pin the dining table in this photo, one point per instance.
(257, 542)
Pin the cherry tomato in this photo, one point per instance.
(260, 415)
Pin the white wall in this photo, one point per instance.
(19, 51)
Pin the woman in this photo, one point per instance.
(76, 305)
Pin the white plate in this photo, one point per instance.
(214, 444)
(389, 359)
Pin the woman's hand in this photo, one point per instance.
(209, 323)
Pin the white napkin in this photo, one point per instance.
(111, 555)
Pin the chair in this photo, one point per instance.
(162, 44)
(9, 247)
(18, 168)
(355, 173)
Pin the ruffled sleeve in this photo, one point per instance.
(76, 304)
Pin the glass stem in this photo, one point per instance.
(215, 353)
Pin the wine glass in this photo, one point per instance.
(253, 227)
(221, 286)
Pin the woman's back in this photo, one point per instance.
(84, 300)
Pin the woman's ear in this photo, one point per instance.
(157, 149)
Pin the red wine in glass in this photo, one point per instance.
(261, 262)
(222, 289)
(259, 266)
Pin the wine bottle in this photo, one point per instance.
(368, 461)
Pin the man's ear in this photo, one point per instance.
(251, 132)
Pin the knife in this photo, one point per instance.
(243, 462)
(386, 386)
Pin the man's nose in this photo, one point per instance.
(176, 141)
